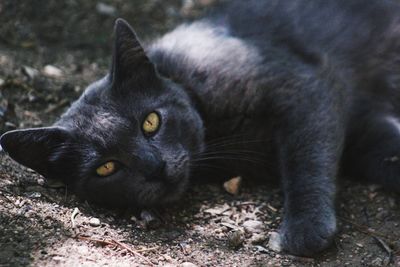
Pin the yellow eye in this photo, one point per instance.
(106, 169)
(151, 123)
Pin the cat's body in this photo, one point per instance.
(288, 89)
(254, 49)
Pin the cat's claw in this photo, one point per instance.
(305, 236)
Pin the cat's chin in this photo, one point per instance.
(173, 189)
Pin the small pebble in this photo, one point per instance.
(377, 262)
(275, 242)
(262, 250)
(233, 185)
(167, 258)
(258, 238)
(52, 71)
(105, 9)
(149, 220)
(235, 239)
(188, 264)
(10, 125)
(34, 195)
(31, 73)
(253, 226)
(186, 248)
(58, 259)
(94, 222)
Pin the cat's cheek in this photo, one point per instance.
(113, 191)
(196, 135)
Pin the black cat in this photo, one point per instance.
(295, 89)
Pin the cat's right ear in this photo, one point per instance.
(130, 61)
(33, 147)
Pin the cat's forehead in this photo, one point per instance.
(100, 123)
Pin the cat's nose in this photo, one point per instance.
(158, 171)
(153, 166)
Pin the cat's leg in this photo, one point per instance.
(372, 151)
(310, 145)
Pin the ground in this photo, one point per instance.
(49, 51)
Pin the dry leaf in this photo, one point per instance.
(232, 186)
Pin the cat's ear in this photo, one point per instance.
(130, 61)
(33, 147)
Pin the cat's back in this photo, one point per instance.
(247, 45)
(329, 26)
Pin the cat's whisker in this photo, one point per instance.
(235, 152)
(251, 160)
(203, 166)
(230, 145)
(230, 137)
(236, 142)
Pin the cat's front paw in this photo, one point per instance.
(306, 236)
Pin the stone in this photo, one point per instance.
(258, 238)
(253, 226)
(52, 71)
(95, 222)
(232, 186)
(377, 262)
(235, 239)
(30, 72)
(105, 9)
(275, 242)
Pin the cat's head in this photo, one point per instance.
(127, 140)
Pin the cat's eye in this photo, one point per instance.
(107, 169)
(151, 123)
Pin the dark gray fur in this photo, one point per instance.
(293, 89)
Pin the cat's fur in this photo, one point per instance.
(295, 89)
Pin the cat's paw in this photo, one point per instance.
(306, 236)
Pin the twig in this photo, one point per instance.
(57, 106)
(300, 259)
(49, 197)
(134, 252)
(385, 247)
(73, 215)
(369, 231)
(273, 209)
(147, 249)
(246, 203)
(110, 243)
(98, 241)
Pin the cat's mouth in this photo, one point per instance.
(173, 185)
(172, 175)
(173, 180)
(163, 191)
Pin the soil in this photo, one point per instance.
(49, 51)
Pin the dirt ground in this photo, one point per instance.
(49, 51)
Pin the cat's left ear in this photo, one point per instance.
(130, 61)
(34, 147)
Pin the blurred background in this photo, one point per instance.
(51, 50)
